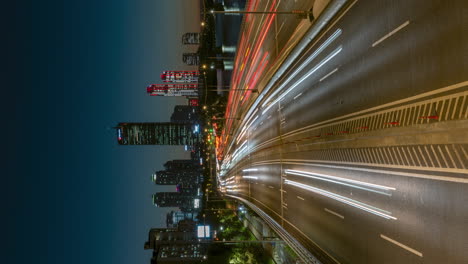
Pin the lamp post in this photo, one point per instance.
(302, 14)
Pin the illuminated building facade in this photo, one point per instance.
(180, 76)
(174, 217)
(166, 133)
(173, 89)
(167, 177)
(170, 245)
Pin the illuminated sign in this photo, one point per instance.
(196, 203)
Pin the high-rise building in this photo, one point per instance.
(185, 114)
(171, 246)
(173, 89)
(182, 165)
(186, 203)
(180, 76)
(174, 217)
(191, 58)
(166, 133)
(191, 38)
(173, 177)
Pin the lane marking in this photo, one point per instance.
(330, 73)
(333, 213)
(271, 187)
(281, 27)
(391, 33)
(295, 97)
(402, 245)
(300, 198)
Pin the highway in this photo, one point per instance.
(360, 149)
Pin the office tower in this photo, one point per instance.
(168, 177)
(166, 133)
(191, 38)
(171, 246)
(186, 203)
(182, 165)
(174, 217)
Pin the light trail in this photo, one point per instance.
(325, 44)
(318, 66)
(348, 201)
(385, 190)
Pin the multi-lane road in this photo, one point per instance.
(360, 149)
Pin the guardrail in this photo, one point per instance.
(296, 246)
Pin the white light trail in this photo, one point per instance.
(305, 63)
(250, 177)
(348, 201)
(245, 170)
(343, 181)
(318, 66)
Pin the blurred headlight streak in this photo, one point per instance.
(314, 69)
(348, 201)
(250, 177)
(385, 190)
(305, 63)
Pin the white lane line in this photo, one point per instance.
(283, 191)
(300, 198)
(330, 73)
(271, 187)
(391, 33)
(402, 246)
(281, 27)
(295, 97)
(333, 213)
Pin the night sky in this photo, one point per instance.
(73, 69)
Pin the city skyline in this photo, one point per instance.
(75, 70)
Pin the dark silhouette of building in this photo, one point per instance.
(185, 114)
(185, 202)
(182, 165)
(166, 133)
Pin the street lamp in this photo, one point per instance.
(299, 13)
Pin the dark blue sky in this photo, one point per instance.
(73, 70)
